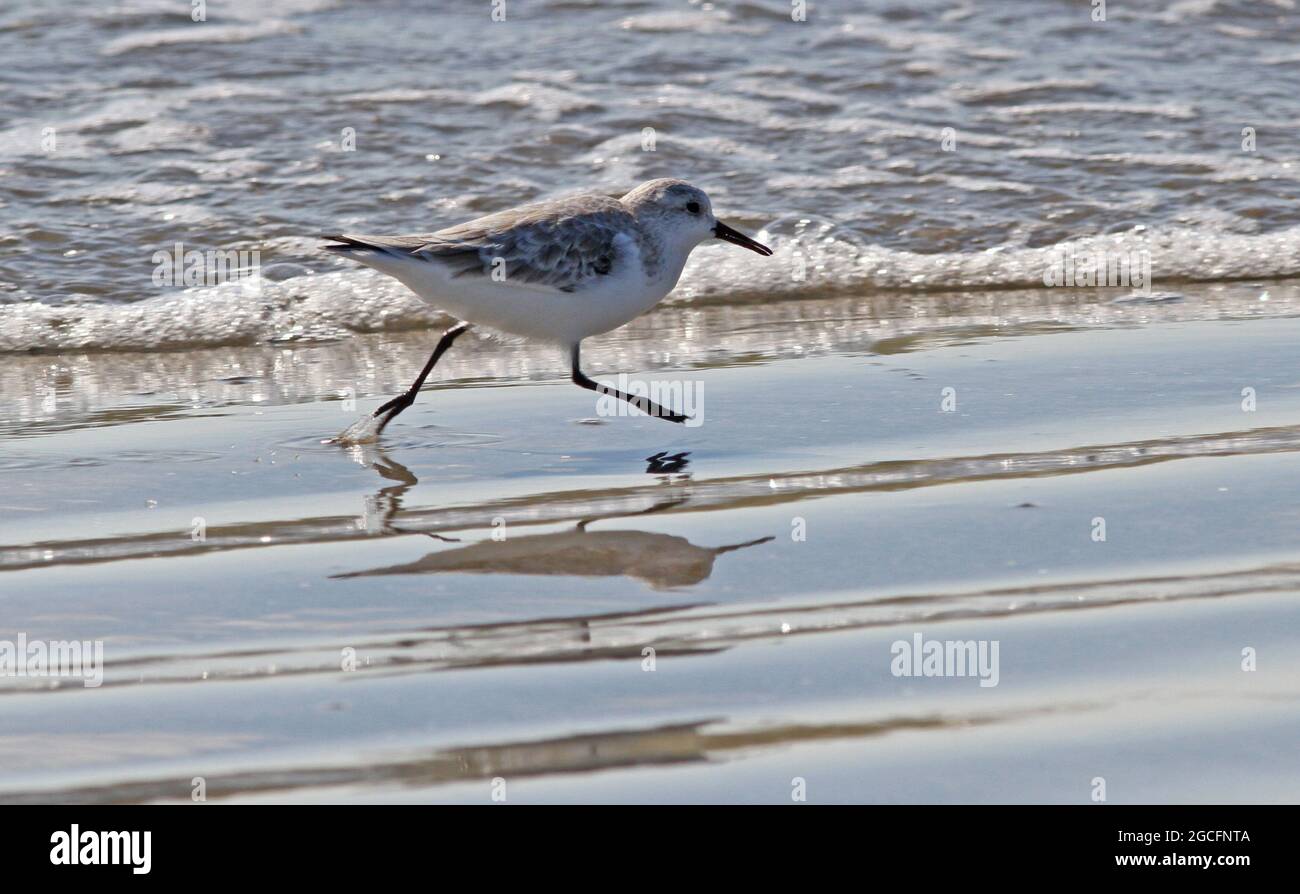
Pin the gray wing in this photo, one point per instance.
(563, 244)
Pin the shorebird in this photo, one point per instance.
(556, 271)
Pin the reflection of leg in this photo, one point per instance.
(735, 546)
(658, 507)
(643, 404)
(391, 470)
(663, 464)
(388, 502)
(404, 400)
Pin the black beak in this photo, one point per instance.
(735, 237)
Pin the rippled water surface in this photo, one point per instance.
(828, 133)
(904, 432)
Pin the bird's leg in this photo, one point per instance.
(645, 405)
(390, 410)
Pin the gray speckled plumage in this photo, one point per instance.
(561, 244)
(566, 244)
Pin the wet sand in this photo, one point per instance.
(827, 507)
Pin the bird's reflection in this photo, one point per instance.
(660, 560)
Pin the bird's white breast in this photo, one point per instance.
(541, 312)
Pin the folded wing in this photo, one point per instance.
(562, 245)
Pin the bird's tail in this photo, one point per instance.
(349, 244)
(395, 260)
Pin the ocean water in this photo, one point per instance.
(905, 431)
(128, 128)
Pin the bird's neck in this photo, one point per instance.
(663, 259)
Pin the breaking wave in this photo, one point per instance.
(289, 304)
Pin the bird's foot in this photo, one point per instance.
(389, 411)
(650, 408)
(395, 406)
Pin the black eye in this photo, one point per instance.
(693, 207)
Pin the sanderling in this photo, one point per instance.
(555, 271)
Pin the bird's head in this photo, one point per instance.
(683, 214)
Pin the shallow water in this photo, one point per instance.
(826, 508)
(911, 436)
